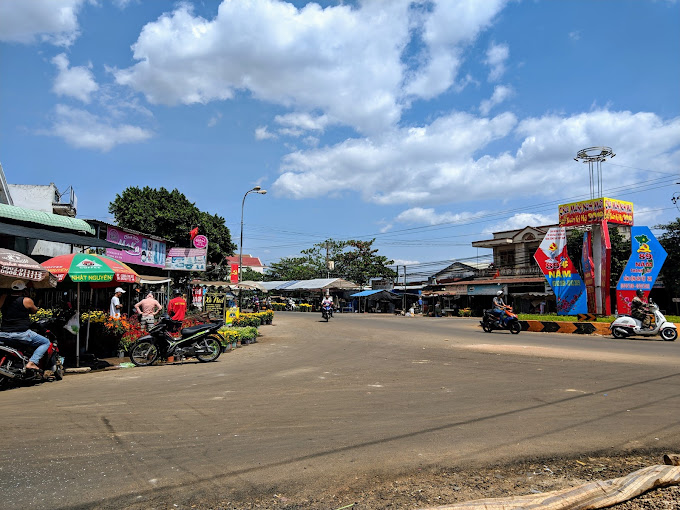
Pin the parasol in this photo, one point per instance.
(17, 266)
(89, 268)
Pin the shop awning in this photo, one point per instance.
(378, 295)
(153, 280)
(11, 229)
(45, 219)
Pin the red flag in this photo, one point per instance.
(193, 233)
(233, 276)
(498, 273)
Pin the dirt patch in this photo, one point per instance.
(427, 488)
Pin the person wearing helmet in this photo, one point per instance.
(499, 305)
(639, 309)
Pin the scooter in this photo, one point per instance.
(492, 320)
(326, 312)
(201, 341)
(13, 359)
(625, 326)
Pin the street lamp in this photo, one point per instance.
(261, 191)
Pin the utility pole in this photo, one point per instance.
(403, 302)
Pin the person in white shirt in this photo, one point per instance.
(116, 306)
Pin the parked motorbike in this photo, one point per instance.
(13, 359)
(625, 326)
(201, 341)
(492, 320)
(326, 312)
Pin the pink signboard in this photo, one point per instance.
(135, 248)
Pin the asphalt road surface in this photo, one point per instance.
(314, 406)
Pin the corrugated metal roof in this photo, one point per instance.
(44, 219)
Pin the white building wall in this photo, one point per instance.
(36, 197)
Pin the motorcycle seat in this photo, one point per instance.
(192, 330)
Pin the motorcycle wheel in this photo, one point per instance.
(669, 334)
(486, 326)
(618, 334)
(144, 353)
(212, 344)
(515, 328)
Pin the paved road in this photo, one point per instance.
(313, 406)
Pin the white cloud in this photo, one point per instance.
(500, 94)
(82, 129)
(77, 82)
(575, 35)
(214, 120)
(52, 21)
(343, 61)
(496, 56)
(404, 262)
(521, 220)
(646, 215)
(428, 216)
(447, 161)
(261, 133)
(303, 121)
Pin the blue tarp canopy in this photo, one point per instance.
(378, 294)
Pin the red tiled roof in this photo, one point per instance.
(247, 261)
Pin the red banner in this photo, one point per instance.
(233, 275)
(588, 268)
(605, 271)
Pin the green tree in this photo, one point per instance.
(670, 272)
(249, 275)
(620, 251)
(362, 263)
(169, 214)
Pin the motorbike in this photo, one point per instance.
(326, 312)
(201, 341)
(625, 326)
(13, 359)
(492, 320)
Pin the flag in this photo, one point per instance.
(193, 233)
(233, 276)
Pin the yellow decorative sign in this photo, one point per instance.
(595, 211)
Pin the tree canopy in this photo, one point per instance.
(169, 214)
(356, 261)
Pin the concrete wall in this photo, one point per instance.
(36, 197)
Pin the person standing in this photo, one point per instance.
(177, 307)
(148, 308)
(16, 323)
(116, 305)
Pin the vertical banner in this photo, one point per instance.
(233, 273)
(605, 271)
(642, 268)
(558, 269)
(588, 274)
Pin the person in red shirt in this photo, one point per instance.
(177, 307)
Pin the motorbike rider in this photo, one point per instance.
(499, 305)
(640, 310)
(16, 323)
(328, 301)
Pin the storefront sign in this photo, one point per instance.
(135, 248)
(642, 268)
(552, 258)
(215, 303)
(200, 242)
(383, 284)
(197, 297)
(589, 212)
(485, 289)
(186, 259)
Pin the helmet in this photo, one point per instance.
(639, 293)
(499, 293)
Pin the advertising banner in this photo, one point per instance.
(197, 297)
(605, 269)
(233, 273)
(215, 304)
(597, 210)
(642, 268)
(135, 248)
(186, 259)
(560, 272)
(588, 270)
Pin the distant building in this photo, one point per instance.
(248, 261)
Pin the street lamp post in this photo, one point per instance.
(261, 191)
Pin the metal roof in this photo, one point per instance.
(57, 237)
(44, 219)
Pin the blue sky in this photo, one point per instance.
(427, 125)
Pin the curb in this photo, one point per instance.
(575, 328)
